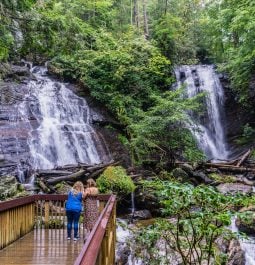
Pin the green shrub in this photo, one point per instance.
(116, 180)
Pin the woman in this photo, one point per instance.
(90, 205)
(73, 209)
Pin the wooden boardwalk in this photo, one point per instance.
(42, 246)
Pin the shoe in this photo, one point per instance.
(69, 238)
(75, 239)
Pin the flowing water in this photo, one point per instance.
(247, 245)
(207, 129)
(60, 128)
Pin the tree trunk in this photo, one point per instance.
(145, 20)
(136, 14)
(166, 5)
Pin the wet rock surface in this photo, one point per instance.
(236, 255)
(237, 115)
(16, 130)
(233, 188)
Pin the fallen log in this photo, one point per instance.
(43, 186)
(243, 158)
(73, 166)
(93, 168)
(235, 169)
(49, 173)
(96, 173)
(72, 177)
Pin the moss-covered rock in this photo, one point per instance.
(180, 174)
(9, 187)
(246, 223)
(116, 180)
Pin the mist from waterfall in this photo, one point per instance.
(207, 129)
(61, 132)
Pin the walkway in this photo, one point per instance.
(42, 246)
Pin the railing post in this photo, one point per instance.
(46, 214)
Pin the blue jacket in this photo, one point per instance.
(74, 202)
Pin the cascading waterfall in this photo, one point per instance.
(60, 132)
(209, 129)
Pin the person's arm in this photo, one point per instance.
(85, 193)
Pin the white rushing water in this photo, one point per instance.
(61, 133)
(209, 129)
(247, 245)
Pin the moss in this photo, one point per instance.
(165, 175)
(252, 155)
(62, 187)
(116, 180)
(222, 178)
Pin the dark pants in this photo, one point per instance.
(72, 219)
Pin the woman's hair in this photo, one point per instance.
(77, 187)
(91, 183)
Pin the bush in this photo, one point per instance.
(116, 180)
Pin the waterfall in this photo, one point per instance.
(247, 245)
(61, 131)
(132, 207)
(207, 129)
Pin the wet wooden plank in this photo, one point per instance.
(42, 247)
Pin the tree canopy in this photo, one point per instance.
(123, 52)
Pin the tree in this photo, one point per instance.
(196, 218)
(163, 130)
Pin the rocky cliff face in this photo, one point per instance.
(237, 115)
(15, 131)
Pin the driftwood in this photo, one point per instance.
(73, 166)
(243, 158)
(79, 172)
(75, 176)
(43, 186)
(230, 168)
(53, 172)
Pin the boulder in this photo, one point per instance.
(247, 224)
(142, 215)
(233, 188)
(187, 168)
(236, 255)
(202, 177)
(180, 174)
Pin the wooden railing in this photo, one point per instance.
(20, 216)
(100, 246)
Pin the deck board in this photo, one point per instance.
(42, 247)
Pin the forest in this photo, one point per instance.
(124, 54)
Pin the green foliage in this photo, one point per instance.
(163, 129)
(197, 217)
(11, 13)
(55, 224)
(116, 180)
(219, 178)
(247, 135)
(247, 219)
(230, 29)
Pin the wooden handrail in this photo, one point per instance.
(90, 251)
(37, 211)
(6, 205)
